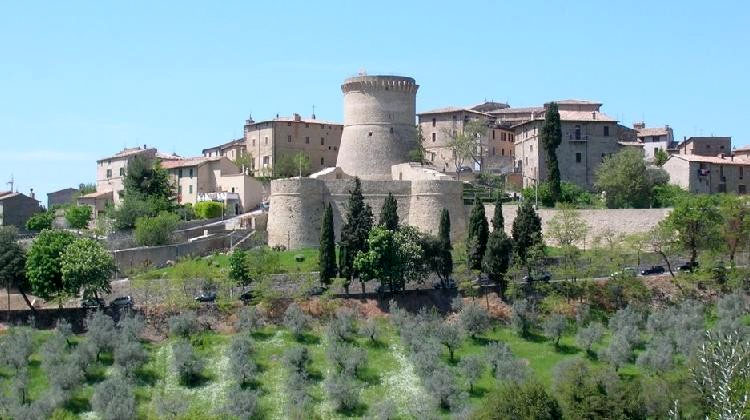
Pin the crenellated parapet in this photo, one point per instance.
(384, 83)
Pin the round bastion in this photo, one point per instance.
(379, 125)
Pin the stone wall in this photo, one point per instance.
(297, 206)
(157, 256)
(621, 221)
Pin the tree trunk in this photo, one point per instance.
(666, 261)
(26, 299)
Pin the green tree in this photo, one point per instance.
(40, 221)
(551, 137)
(527, 232)
(736, 223)
(466, 144)
(208, 209)
(13, 265)
(697, 221)
(44, 264)
(297, 164)
(417, 154)
(497, 259)
(389, 213)
(87, 266)
(476, 236)
(244, 161)
(78, 217)
(327, 258)
(148, 192)
(660, 157)
(354, 232)
(444, 257)
(498, 221)
(392, 257)
(527, 401)
(239, 271)
(154, 231)
(626, 181)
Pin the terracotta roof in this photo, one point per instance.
(164, 156)
(187, 162)
(576, 102)
(742, 149)
(713, 159)
(4, 193)
(227, 144)
(301, 120)
(649, 132)
(518, 110)
(630, 143)
(96, 194)
(127, 152)
(8, 194)
(451, 109)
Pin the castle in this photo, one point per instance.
(379, 131)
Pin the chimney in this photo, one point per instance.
(639, 125)
(593, 115)
(297, 117)
(32, 193)
(144, 147)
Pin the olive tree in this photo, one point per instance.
(249, 320)
(658, 355)
(522, 317)
(344, 324)
(241, 403)
(589, 335)
(554, 326)
(16, 346)
(114, 399)
(504, 365)
(474, 319)
(241, 365)
(451, 336)
(471, 367)
(342, 390)
(370, 329)
(130, 356)
(101, 332)
(188, 365)
(296, 320)
(442, 386)
(183, 325)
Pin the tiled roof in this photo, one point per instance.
(630, 143)
(127, 152)
(576, 102)
(97, 194)
(187, 162)
(518, 110)
(451, 109)
(713, 159)
(301, 120)
(649, 132)
(227, 144)
(8, 194)
(4, 193)
(164, 156)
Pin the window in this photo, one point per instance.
(391, 129)
(578, 132)
(493, 134)
(433, 122)
(191, 172)
(741, 189)
(232, 189)
(122, 171)
(604, 155)
(307, 125)
(190, 189)
(432, 156)
(322, 141)
(179, 189)
(179, 173)
(606, 131)
(307, 140)
(265, 160)
(493, 151)
(322, 162)
(531, 148)
(109, 173)
(433, 137)
(266, 141)
(289, 124)
(721, 171)
(721, 147)
(253, 142)
(289, 138)
(369, 134)
(578, 158)
(742, 171)
(502, 152)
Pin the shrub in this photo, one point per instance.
(295, 320)
(241, 366)
(343, 391)
(170, 405)
(15, 348)
(187, 364)
(529, 401)
(40, 221)
(78, 217)
(570, 193)
(474, 319)
(344, 325)
(157, 230)
(183, 325)
(114, 399)
(385, 409)
(370, 329)
(208, 209)
(239, 271)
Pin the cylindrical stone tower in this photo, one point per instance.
(379, 125)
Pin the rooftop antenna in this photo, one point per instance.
(11, 182)
(362, 72)
(313, 114)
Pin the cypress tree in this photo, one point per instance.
(476, 242)
(498, 221)
(551, 137)
(354, 232)
(445, 258)
(497, 259)
(527, 230)
(389, 213)
(327, 259)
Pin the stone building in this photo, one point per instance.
(494, 150)
(62, 197)
(705, 146)
(654, 138)
(709, 174)
(233, 149)
(273, 143)
(379, 132)
(16, 208)
(588, 137)
(214, 178)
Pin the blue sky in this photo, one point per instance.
(82, 80)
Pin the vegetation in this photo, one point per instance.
(354, 232)
(88, 267)
(157, 230)
(327, 256)
(626, 181)
(570, 193)
(551, 137)
(208, 209)
(78, 217)
(148, 192)
(476, 236)
(13, 264)
(44, 265)
(40, 221)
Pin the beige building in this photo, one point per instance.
(273, 143)
(214, 178)
(654, 138)
(705, 146)
(588, 137)
(233, 149)
(709, 174)
(494, 151)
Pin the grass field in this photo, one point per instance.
(389, 372)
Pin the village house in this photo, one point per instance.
(709, 174)
(62, 197)
(705, 146)
(16, 208)
(654, 138)
(494, 150)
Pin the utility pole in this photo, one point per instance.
(11, 182)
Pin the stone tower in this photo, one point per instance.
(379, 125)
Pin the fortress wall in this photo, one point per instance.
(428, 200)
(620, 221)
(296, 212)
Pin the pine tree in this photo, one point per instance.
(354, 232)
(527, 231)
(551, 138)
(476, 241)
(498, 221)
(389, 213)
(445, 258)
(327, 259)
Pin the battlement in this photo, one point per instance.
(372, 83)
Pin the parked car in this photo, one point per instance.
(92, 303)
(246, 296)
(543, 276)
(209, 296)
(465, 170)
(688, 266)
(450, 284)
(122, 302)
(655, 269)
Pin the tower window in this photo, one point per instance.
(433, 137)
(433, 122)
(578, 158)
(322, 141)
(289, 138)
(307, 140)
(322, 161)
(606, 131)
(369, 134)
